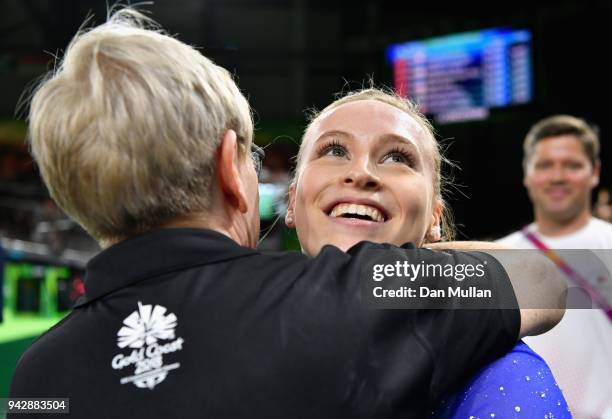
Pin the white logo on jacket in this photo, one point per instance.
(143, 331)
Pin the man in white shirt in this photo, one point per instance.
(561, 167)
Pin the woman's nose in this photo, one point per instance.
(362, 175)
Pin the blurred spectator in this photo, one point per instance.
(561, 168)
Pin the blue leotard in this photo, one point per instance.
(518, 385)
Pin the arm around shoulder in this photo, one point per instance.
(538, 285)
(539, 288)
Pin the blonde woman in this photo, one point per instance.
(369, 169)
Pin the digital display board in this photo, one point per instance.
(460, 77)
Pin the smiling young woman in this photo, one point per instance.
(369, 169)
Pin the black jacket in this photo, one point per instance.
(187, 323)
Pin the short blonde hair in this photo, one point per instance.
(126, 129)
(391, 98)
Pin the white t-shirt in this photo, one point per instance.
(579, 349)
(597, 234)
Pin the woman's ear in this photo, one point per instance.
(290, 215)
(434, 234)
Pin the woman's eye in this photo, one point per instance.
(398, 157)
(334, 151)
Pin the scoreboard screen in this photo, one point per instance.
(460, 77)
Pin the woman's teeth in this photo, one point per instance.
(348, 210)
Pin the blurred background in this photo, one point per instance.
(483, 73)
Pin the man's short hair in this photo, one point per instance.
(126, 129)
(558, 125)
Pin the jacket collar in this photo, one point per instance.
(155, 253)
